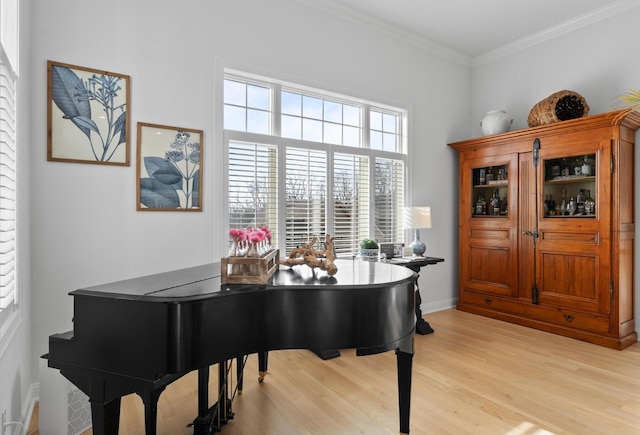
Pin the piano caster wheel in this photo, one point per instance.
(261, 376)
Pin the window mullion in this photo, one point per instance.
(282, 196)
(372, 197)
(276, 110)
(329, 201)
(365, 127)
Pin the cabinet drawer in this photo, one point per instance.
(573, 319)
(550, 315)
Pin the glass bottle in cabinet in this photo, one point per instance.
(571, 179)
(490, 191)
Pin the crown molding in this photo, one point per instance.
(550, 33)
(371, 23)
(379, 26)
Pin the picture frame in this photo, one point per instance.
(88, 117)
(386, 250)
(398, 250)
(169, 168)
(392, 250)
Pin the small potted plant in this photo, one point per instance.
(368, 248)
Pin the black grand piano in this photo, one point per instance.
(141, 334)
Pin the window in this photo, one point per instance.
(350, 200)
(305, 196)
(384, 130)
(320, 120)
(309, 163)
(8, 289)
(247, 107)
(389, 199)
(253, 186)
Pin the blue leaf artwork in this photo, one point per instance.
(196, 189)
(66, 89)
(96, 104)
(173, 181)
(155, 194)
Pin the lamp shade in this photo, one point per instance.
(416, 217)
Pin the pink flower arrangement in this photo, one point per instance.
(250, 242)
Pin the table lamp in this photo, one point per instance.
(416, 218)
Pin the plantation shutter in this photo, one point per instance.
(253, 181)
(350, 202)
(305, 192)
(389, 200)
(7, 185)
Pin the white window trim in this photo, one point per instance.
(11, 323)
(8, 329)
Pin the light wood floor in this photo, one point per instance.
(475, 375)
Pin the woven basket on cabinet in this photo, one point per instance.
(560, 106)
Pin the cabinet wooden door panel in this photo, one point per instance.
(572, 281)
(487, 266)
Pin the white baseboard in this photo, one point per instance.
(432, 307)
(27, 410)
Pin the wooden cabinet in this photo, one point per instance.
(546, 228)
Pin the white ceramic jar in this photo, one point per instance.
(495, 122)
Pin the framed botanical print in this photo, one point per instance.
(169, 168)
(87, 115)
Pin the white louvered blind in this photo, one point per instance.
(306, 184)
(253, 180)
(350, 202)
(389, 198)
(7, 185)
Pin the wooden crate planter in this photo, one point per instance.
(249, 270)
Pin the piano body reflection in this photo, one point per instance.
(141, 334)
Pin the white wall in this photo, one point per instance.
(85, 226)
(599, 62)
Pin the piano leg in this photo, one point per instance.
(240, 372)
(405, 362)
(150, 400)
(263, 360)
(201, 423)
(211, 419)
(105, 417)
(224, 403)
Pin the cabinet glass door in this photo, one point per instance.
(570, 186)
(490, 191)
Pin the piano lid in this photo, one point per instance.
(204, 281)
(193, 281)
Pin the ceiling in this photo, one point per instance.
(475, 28)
